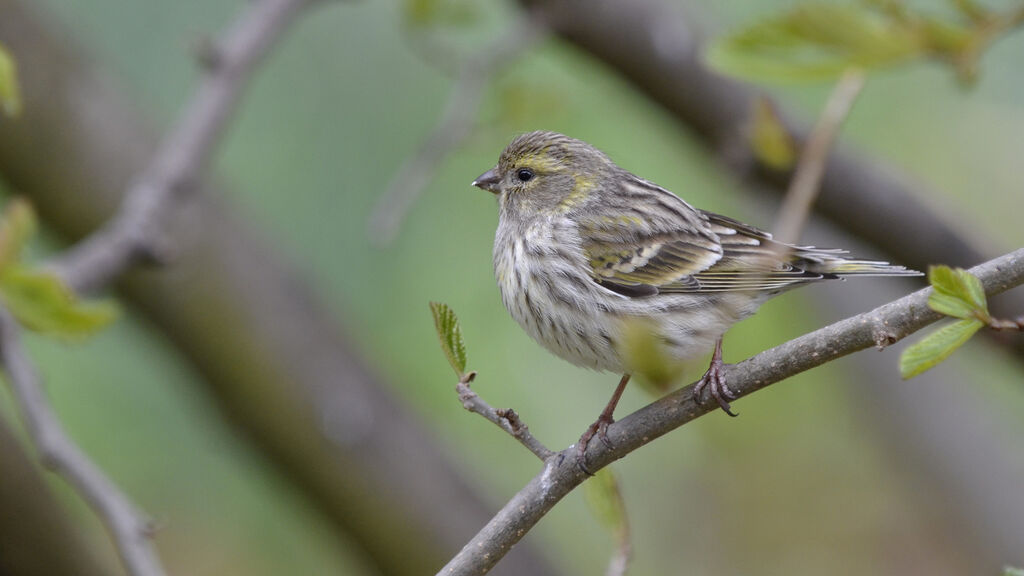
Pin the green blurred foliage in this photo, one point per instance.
(329, 120)
(819, 40)
(37, 298)
(649, 361)
(815, 41)
(605, 498)
(603, 494)
(17, 226)
(770, 141)
(41, 302)
(457, 13)
(10, 94)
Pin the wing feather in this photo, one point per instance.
(662, 242)
(664, 245)
(646, 240)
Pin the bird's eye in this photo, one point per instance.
(524, 174)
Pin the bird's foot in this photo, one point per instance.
(599, 429)
(714, 381)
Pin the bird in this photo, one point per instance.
(583, 247)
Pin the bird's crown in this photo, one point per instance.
(547, 151)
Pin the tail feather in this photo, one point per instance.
(869, 268)
(832, 262)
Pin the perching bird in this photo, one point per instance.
(583, 246)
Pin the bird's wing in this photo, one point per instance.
(646, 239)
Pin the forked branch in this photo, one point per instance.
(878, 328)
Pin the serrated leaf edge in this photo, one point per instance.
(449, 332)
(917, 359)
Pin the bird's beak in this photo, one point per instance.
(488, 181)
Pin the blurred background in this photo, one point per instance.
(842, 470)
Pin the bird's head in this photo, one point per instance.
(545, 173)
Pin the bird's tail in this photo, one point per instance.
(833, 262)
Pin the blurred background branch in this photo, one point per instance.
(99, 259)
(456, 121)
(129, 529)
(136, 232)
(42, 522)
(806, 183)
(287, 377)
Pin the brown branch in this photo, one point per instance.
(507, 420)
(136, 233)
(1006, 324)
(455, 124)
(129, 529)
(878, 328)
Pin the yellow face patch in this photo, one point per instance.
(584, 184)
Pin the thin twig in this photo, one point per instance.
(880, 327)
(129, 528)
(136, 232)
(1006, 324)
(456, 122)
(507, 420)
(806, 182)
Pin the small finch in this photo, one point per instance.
(583, 247)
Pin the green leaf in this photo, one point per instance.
(605, 499)
(10, 93)
(450, 334)
(43, 304)
(957, 293)
(975, 291)
(1012, 571)
(950, 305)
(815, 41)
(936, 347)
(17, 225)
(771, 142)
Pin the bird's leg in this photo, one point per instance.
(714, 380)
(600, 426)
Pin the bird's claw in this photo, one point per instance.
(599, 429)
(714, 381)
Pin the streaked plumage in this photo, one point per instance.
(583, 245)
